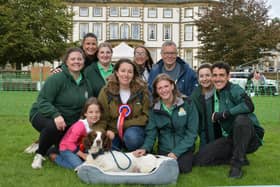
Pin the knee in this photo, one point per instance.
(242, 121)
(134, 138)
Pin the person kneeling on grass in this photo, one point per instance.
(241, 130)
(70, 156)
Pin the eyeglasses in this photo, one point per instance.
(140, 54)
(169, 53)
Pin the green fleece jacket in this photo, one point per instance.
(109, 97)
(234, 99)
(176, 133)
(95, 78)
(61, 95)
(205, 110)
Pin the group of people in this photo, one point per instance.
(138, 103)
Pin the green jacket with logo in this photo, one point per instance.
(110, 100)
(61, 95)
(234, 99)
(176, 133)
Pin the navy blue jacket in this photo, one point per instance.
(186, 81)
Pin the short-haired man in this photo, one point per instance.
(176, 68)
(242, 133)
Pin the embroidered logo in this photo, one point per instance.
(182, 112)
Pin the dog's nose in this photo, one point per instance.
(98, 142)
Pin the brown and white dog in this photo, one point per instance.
(99, 155)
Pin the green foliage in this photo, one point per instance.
(33, 31)
(236, 31)
(16, 133)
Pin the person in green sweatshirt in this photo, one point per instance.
(59, 103)
(203, 98)
(173, 120)
(241, 130)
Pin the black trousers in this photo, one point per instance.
(185, 161)
(230, 150)
(49, 135)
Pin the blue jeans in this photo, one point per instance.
(133, 139)
(68, 159)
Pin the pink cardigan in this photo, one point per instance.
(73, 137)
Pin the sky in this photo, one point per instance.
(275, 8)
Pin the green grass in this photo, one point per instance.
(16, 133)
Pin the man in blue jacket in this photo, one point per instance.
(184, 77)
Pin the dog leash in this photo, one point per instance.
(129, 160)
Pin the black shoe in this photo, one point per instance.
(245, 162)
(235, 172)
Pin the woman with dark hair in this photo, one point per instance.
(173, 121)
(89, 46)
(125, 100)
(203, 98)
(57, 108)
(143, 61)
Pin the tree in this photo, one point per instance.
(33, 31)
(236, 31)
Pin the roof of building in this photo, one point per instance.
(138, 1)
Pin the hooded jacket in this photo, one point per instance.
(109, 97)
(186, 81)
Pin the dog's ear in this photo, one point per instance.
(107, 143)
(87, 141)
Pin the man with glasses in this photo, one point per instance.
(184, 77)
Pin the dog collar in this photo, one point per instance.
(94, 155)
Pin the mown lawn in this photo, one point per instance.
(16, 134)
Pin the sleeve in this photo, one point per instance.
(48, 95)
(151, 133)
(75, 135)
(242, 102)
(102, 123)
(190, 133)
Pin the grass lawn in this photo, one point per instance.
(16, 134)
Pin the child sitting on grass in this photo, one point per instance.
(70, 156)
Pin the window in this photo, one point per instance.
(83, 29)
(135, 12)
(124, 12)
(114, 11)
(97, 30)
(189, 32)
(167, 32)
(135, 31)
(114, 31)
(124, 31)
(97, 12)
(83, 12)
(202, 11)
(188, 12)
(152, 13)
(189, 56)
(167, 13)
(152, 32)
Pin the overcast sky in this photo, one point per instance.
(275, 8)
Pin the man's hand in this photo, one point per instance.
(55, 70)
(218, 116)
(172, 155)
(139, 152)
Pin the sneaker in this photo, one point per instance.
(235, 172)
(37, 161)
(32, 148)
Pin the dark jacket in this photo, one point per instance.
(61, 95)
(176, 133)
(110, 100)
(95, 78)
(233, 98)
(186, 82)
(204, 107)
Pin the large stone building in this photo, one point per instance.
(148, 22)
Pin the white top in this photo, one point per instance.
(124, 94)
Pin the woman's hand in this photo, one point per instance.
(110, 134)
(60, 123)
(139, 152)
(172, 155)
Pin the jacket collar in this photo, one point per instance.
(178, 102)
